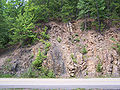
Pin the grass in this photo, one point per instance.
(6, 75)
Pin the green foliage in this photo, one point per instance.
(84, 50)
(77, 40)
(29, 74)
(76, 34)
(59, 39)
(5, 75)
(89, 6)
(9, 60)
(22, 29)
(99, 10)
(99, 67)
(42, 73)
(73, 58)
(44, 35)
(116, 45)
(19, 17)
(38, 70)
(3, 27)
(39, 60)
(67, 11)
(47, 47)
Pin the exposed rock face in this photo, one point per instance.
(57, 61)
(83, 63)
(99, 50)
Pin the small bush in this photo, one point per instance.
(59, 39)
(84, 51)
(76, 34)
(116, 45)
(99, 67)
(73, 58)
(9, 60)
(39, 60)
(45, 36)
(77, 40)
(47, 47)
(38, 70)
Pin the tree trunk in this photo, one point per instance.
(98, 17)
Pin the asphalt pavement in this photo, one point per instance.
(100, 83)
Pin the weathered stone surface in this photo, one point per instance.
(91, 66)
(116, 71)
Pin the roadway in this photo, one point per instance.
(100, 83)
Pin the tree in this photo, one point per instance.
(3, 27)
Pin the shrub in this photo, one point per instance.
(116, 45)
(39, 70)
(73, 58)
(77, 40)
(4, 36)
(22, 30)
(39, 60)
(47, 47)
(59, 39)
(99, 67)
(45, 36)
(84, 50)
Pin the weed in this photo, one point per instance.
(38, 70)
(86, 72)
(9, 60)
(84, 50)
(76, 34)
(99, 67)
(32, 56)
(77, 40)
(45, 36)
(59, 39)
(47, 45)
(5, 75)
(39, 60)
(73, 58)
(116, 45)
(113, 39)
(30, 73)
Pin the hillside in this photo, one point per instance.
(71, 52)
